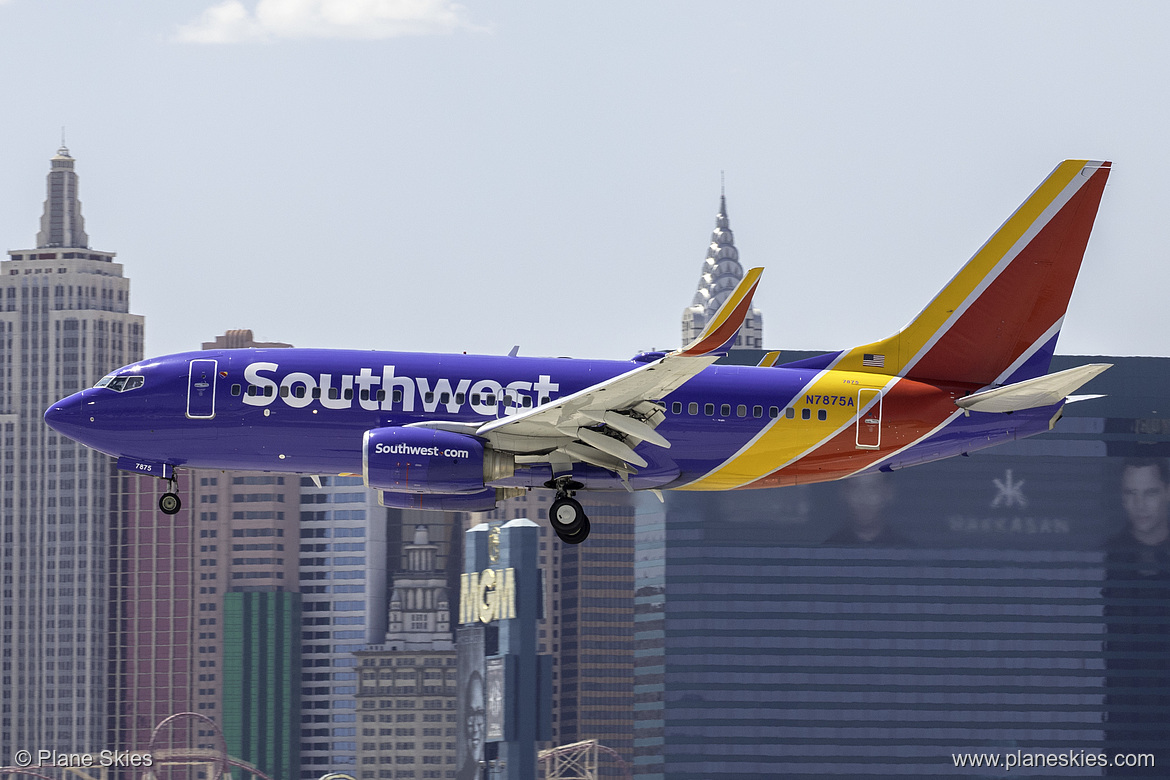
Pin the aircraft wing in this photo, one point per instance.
(603, 423)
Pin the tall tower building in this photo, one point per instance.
(719, 277)
(245, 648)
(407, 684)
(588, 620)
(343, 570)
(65, 323)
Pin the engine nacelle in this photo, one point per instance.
(425, 460)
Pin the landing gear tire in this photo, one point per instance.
(581, 535)
(169, 503)
(568, 520)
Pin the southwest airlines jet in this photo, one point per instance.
(462, 432)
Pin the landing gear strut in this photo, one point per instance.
(169, 502)
(566, 516)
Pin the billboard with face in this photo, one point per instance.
(471, 730)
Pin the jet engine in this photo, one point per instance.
(426, 460)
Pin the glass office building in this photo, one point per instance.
(1016, 599)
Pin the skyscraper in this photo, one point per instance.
(343, 571)
(588, 620)
(409, 680)
(65, 323)
(720, 274)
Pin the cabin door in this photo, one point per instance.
(869, 420)
(201, 389)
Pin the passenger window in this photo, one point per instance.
(527, 401)
(252, 389)
(757, 411)
(692, 408)
(349, 393)
(316, 392)
(236, 389)
(544, 399)
(269, 391)
(284, 391)
(475, 399)
(676, 407)
(381, 395)
(773, 412)
(429, 398)
(741, 411)
(725, 410)
(459, 398)
(790, 413)
(299, 391)
(822, 415)
(397, 398)
(334, 393)
(806, 413)
(709, 410)
(445, 398)
(488, 399)
(365, 394)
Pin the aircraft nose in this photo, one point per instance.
(65, 415)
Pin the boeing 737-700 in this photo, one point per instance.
(463, 432)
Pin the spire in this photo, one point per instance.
(62, 224)
(720, 274)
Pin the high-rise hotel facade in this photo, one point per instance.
(65, 322)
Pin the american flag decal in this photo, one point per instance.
(876, 361)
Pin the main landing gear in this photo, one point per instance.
(566, 516)
(169, 502)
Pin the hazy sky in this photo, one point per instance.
(422, 175)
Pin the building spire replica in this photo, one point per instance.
(62, 224)
(719, 277)
(419, 607)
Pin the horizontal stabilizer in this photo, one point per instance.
(1032, 393)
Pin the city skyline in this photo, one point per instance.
(868, 151)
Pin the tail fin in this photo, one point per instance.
(998, 319)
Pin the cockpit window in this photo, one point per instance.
(121, 384)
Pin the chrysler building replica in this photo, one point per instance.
(64, 323)
(720, 275)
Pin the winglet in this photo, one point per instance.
(721, 331)
(769, 359)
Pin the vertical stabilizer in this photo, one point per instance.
(999, 318)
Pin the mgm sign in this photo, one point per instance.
(487, 595)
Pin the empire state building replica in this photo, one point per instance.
(64, 323)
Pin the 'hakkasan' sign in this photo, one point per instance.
(487, 596)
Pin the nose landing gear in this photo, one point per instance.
(566, 516)
(170, 503)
